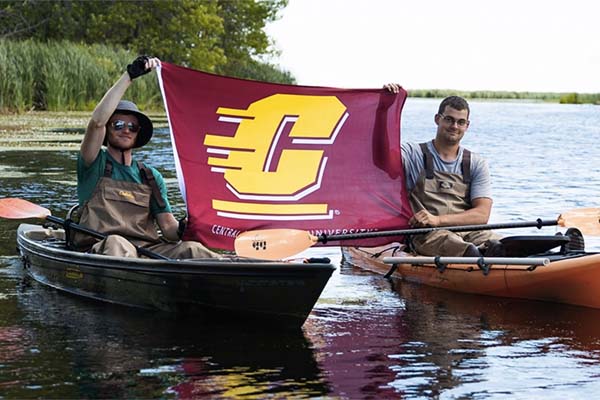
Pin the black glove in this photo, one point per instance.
(138, 67)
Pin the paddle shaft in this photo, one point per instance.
(98, 235)
(539, 223)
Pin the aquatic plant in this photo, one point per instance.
(62, 76)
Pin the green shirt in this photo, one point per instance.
(88, 177)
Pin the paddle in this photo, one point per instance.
(272, 244)
(13, 208)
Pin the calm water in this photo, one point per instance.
(366, 338)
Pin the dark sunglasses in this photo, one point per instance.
(119, 125)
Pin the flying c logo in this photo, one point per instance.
(263, 170)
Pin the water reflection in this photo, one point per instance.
(410, 341)
(67, 347)
(366, 338)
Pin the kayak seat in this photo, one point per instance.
(73, 213)
(72, 216)
(50, 236)
(576, 244)
(523, 246)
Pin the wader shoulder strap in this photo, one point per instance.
(466, 166)
(108, 167)
(148, 178)
(427, 160)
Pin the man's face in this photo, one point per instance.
(452, 125)
(122, 131)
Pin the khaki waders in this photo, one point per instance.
(121, 210)
(443, 193)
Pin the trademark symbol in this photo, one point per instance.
(337, 212)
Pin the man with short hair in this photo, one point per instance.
(119, 196)
(449, 185)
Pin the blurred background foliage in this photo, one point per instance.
(63, 55)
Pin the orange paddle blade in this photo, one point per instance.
(13, 208)
(587, 220)
(273, 244)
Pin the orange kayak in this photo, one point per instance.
(570, 278)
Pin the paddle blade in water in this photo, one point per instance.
(13, 208)
(587, 220)
(273, 244)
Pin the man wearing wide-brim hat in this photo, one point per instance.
(118, 195)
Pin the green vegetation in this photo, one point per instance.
(209, 35)
(62, 55)
(580, 98)
(245, 44)
(563, 98)
(61, 76)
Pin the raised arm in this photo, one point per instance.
(96, 129)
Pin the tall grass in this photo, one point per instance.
(17, 77)
(63, 76)
(67, 76)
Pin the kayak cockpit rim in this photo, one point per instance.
(53, 246)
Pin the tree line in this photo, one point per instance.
(563, 98)
(219, 36)
(225, 37)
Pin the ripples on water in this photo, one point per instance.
(366, 338)
(543, 158)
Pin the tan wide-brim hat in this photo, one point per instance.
(146, 128)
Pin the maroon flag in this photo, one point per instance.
(255, 155)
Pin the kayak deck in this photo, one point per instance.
(567, 278)
(279, 293)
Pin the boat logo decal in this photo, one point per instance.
(73, 273)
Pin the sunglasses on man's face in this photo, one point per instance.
(119, 125)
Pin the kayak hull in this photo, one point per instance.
(569, 279)
(281, 293)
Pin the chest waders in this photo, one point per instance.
(442, 193)
(121, 208)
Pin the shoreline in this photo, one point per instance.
(50, 130)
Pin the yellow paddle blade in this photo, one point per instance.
(13, 208)
(587, 220)
(273, 244)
